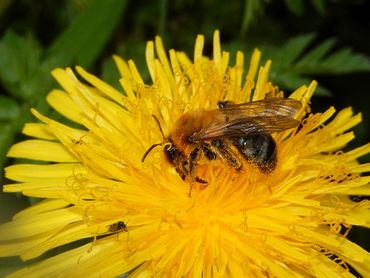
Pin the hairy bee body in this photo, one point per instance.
(233, 133)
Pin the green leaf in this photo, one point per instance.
(319, 61)
(6, 139)
(295, 47)
(20, 68)
(295, 6)
(319, 6)
(316, 54)
(88, 34)
(293, 65)
(292, 82)
(290, 51)
(110, 73)
(345, 61)
(252, 9)
(9, 109)
(163, 14)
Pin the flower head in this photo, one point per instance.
(132, 216)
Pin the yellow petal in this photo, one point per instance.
(38, 224)
(59, 100)
(37, 130)
(34, 172)
(41, 150)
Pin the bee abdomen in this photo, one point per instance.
(259, 149)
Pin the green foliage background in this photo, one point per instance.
(306, 39)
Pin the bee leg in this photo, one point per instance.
(192, 160)
(182, 169)
(190, 189)
(196, 179)
(192, 164)
(209, 154)
(227, 154)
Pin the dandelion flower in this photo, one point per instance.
(128, 216)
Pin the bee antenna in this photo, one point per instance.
(154, 145)
(159, 125)
(149, 150)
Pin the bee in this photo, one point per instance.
(233, 133)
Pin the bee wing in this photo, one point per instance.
(246, 126)
(269, 107)
(268, 115)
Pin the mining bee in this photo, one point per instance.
(233, 133)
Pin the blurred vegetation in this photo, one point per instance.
(306, 39)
